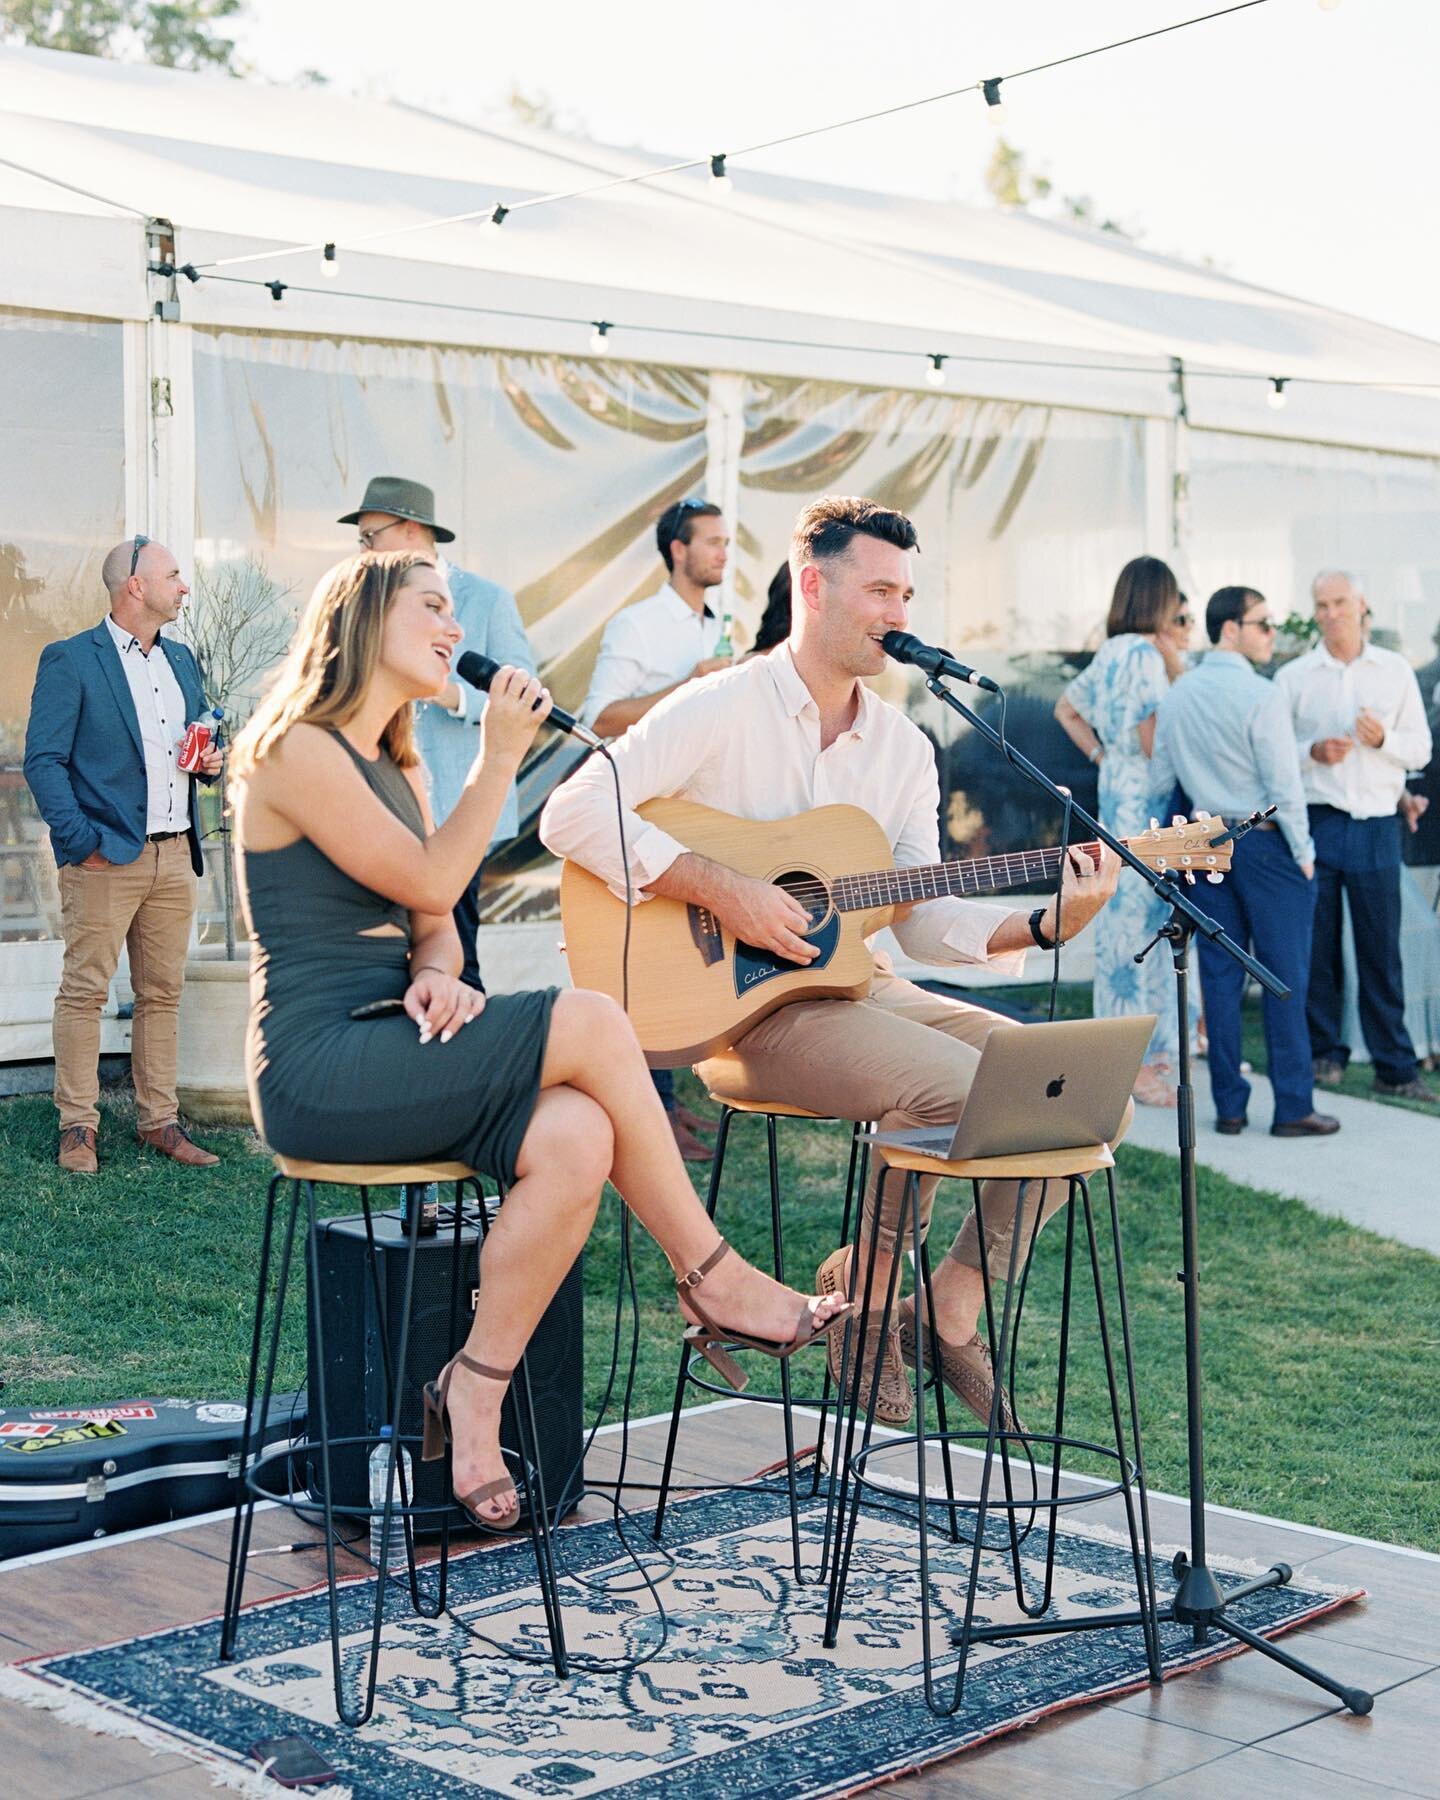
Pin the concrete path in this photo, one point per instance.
(1381, 1169)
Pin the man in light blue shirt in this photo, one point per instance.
(398, 514)
(1224, 733)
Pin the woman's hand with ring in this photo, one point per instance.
(441, 1004)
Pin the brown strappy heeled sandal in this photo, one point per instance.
(710, 1339)
(437, 1436)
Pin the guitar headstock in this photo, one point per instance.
(1187, 847)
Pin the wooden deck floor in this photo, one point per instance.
(1243, 1728)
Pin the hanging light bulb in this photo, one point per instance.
(991, 91)
(329, 267)
(277, 289)
(1328, 5)
(600, 338)
(935, 374)
(721, 185)
(1276, 398)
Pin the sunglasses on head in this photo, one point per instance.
(140, 542)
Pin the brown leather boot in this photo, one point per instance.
(77, 1150)
(692, 1148)
(175, 1142)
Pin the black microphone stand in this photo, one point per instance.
(1199, 1601)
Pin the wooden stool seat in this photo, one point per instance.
(294, 1168)
(1032, 1165)
(723, 1076)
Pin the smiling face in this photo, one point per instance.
(420, 634)
(852, 600)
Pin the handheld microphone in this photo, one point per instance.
(907, 649)
(480, 671)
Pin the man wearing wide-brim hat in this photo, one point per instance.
(399, 514)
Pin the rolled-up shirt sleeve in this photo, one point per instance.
(659, 755)
(946, 930)
(619, 668)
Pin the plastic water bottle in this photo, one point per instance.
(379, 1458)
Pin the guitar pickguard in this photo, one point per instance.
(754, 966)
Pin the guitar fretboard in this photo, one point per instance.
(927, 881)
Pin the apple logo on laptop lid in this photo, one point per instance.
(1054, 1089)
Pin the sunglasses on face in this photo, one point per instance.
(1183, 618)
(1261, 624)
(140, 542)
(367, 538)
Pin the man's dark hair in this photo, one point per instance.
(1146, 593)
(1228, 603)
(827, 527)
(678, 521)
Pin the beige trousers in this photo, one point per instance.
(903, 1058)
(147, 906)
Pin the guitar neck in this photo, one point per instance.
(928, 881)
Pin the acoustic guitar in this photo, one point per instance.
(694, 989)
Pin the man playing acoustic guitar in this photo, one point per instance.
(779, 735)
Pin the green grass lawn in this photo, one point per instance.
(1320, 1340)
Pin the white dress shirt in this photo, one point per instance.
(160, 709)
(649, 646)
(747, 740)
(1325, 696)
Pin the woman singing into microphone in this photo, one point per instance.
(348, 890)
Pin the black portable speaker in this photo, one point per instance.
(355, 1386)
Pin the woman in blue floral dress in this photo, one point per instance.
(1109, 712)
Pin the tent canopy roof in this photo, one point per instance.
(855, 285)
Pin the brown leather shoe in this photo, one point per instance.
(686, 1142)
(175, 1142)
(691, 1120)
(966, 1369)
(1414, 1089)
(894, 1402)
(1314, 1124)
(77, 1150)
(1231, 1127)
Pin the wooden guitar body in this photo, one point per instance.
(693, 990)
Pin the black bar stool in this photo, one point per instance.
(303, 1178)
(857, 1481)
(690, 1368)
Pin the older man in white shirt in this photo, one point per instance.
(778, 735)
(1360, 725)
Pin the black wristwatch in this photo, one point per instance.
(1036, 919)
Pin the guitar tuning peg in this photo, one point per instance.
(1215, 878)
(1190, 877)
(1154, 824)
(1179, 819)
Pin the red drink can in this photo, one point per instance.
(196, 741)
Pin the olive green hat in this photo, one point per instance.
(404, 499)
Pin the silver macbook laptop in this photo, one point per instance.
(1042, 1087)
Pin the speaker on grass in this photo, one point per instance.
(358, 1325)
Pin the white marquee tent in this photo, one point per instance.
(762, 349)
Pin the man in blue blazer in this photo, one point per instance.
(107, 716)
(399, 514)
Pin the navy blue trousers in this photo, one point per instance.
(1373, 895)
(1265, 904)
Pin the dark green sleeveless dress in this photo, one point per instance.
(330, 1088)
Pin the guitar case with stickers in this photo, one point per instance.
(68, 1473)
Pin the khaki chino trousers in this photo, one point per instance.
(147, 907)
(904, 1058)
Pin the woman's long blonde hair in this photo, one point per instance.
(332, 660)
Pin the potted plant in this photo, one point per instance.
(238, 623)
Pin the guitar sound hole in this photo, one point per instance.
(810, 890)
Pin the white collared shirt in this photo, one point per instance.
(747, 741)
(1325, 695)
(160, 710)
(649, 646)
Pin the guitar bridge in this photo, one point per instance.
(705, 934)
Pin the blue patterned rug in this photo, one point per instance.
(743, 1700)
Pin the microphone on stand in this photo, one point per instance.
(480, 671)
(907, 649)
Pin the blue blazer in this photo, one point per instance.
(83, 756)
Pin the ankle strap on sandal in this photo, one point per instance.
(480, 1368)
(693, 1277)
